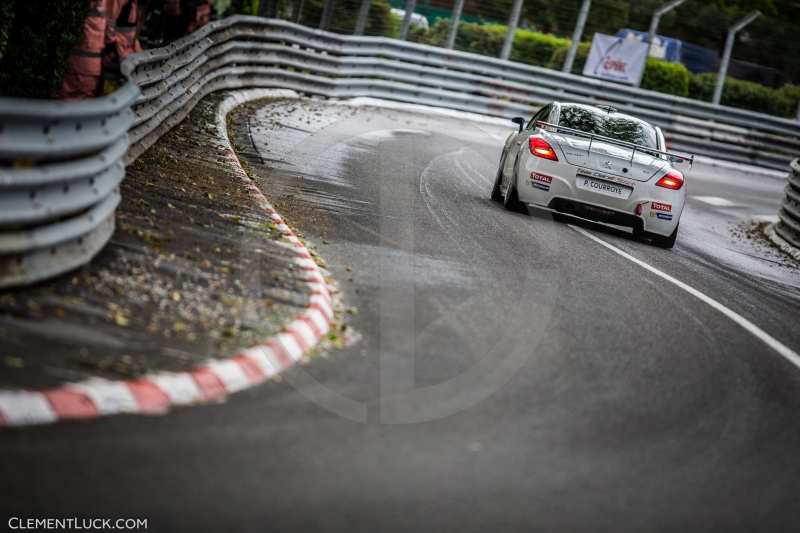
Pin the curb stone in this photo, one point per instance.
(212, 381)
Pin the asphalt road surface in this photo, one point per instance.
(513, 373)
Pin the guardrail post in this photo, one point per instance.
(327, 15)
(726, 55)
(410, 5)
(363, 12)
(455, 20)
(576, 36)
(513, 22)
(651, 35)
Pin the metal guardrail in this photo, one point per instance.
(60, 170)
(61, 162)
(276, 53)
(788, 226)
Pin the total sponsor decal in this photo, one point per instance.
(541, 181)
(661, 211)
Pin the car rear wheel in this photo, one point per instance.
(665, 242)
(511, 199)
(497, 194)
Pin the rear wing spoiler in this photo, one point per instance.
(671, 156)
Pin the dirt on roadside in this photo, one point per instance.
(194, 270)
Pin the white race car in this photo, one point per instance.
(593, 163)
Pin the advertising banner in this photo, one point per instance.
(665, 48)
(616, 59)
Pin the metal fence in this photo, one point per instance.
(788, 226)
(59, 197)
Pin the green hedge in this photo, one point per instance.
(748, 95)
(244, 7)
(666, 77)
(670, 78)
(560, 56)
(547, 50)
(393, 26)
(6, 23)
(416, 34)
(536, 48)
(345, 16)
(530, 47)
(38, 42)
(792, 95)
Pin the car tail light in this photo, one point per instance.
(671, 180)
(542, 148)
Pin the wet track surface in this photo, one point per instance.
(513, 374)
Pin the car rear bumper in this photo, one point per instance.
(553, 186)
(594, 213)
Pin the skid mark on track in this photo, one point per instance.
(427, 196)
(441, 209)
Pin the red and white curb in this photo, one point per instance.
(212, 381)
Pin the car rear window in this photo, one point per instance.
(613, 125)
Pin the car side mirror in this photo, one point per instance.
(519, 121)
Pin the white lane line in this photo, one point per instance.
(716, 201)
(788, 354)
